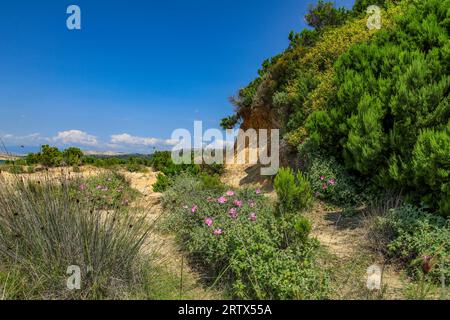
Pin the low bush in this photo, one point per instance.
(107, 191)
(236, 237)
(416, 238)
(330, 181)
(162, 162)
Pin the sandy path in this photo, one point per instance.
(345, 237)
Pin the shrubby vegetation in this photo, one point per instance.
(331, 181)
(374, 100)
(416, 238)
(168, 171)
(237, 237)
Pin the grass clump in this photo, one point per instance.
(47, 226)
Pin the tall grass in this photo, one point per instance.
(48, 225)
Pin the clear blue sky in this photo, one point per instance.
(140, 68)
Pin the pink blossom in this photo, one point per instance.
(331, 182)
(209, 222)
(258, 191)
(322, 178)
(217, 232)
(251, 203)
(194, 208)
(99, 187)
(324, 187)
(222, 200)
(252, 216)
(82, 186)
(230, 193)
(233, 213)
(238, 203)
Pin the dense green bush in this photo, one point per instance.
(236, 237)
(293, 191)
(410, 234)
(392, 106)
(162, 183)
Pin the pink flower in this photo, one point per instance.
(324, 187)
(82, 186)
(233, 213)
(331, 182)
(209, 222)
(217, 232)
(222, 200)
(322, 178)
(258, 191)
(252, 216)
(251, 203)
(230, 193)
(238, 203)
(194, 208)
(99, 187)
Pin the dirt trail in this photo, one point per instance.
(345, 237)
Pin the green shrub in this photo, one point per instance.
(237, 240)
(162, 183)
(211, 182)
(332, 182)
(72, 156)
(294, 192)
(409, 234)
(323, 14)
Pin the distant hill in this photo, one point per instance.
(4, 156)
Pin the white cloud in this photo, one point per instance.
(77, 137)
(126, 138)
(27, 139)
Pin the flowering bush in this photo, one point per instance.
(236, 236)
(330, 181)
(106, 191)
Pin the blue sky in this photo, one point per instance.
(136, 70)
